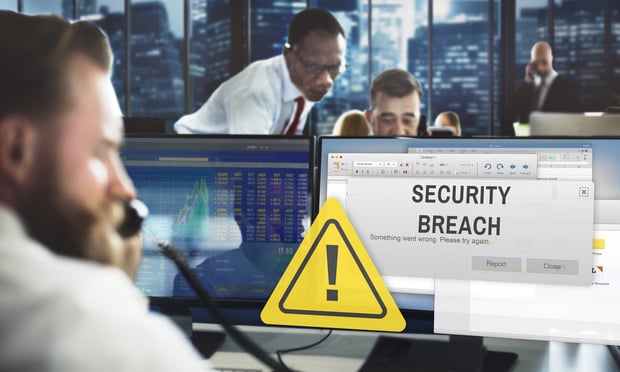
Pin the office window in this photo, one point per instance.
(351, 88)
(225, 35)
(210, 48)
(579, 49)
(417, 52)
(461, 80)
(530, 26)
(269, 20)
(156, 64)
(85, 8)
(399, 39)
(615, 53)
(33, 7)
(110, 17)
(8, 5)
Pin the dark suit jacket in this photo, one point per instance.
(563, 96)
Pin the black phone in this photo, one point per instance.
(135, 213)
(422, 128)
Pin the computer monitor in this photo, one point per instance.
(144, 125)
(237, 206)
(502, 237)
(574, 124)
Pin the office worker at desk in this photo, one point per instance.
(352, 123)
(448, 119)
(274, 96)
(66, 305)
(543, 89)
(395, 99)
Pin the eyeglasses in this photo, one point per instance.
(315, 69)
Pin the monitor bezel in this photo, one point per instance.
(181, 303)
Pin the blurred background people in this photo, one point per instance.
(543, 89)
(352, 123)
(274, 96)
(395, 99)
(448, 119)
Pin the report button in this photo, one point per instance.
(499, 264)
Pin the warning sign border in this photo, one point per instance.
(291, 285)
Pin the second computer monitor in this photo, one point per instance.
(498, 237)
(574, 124)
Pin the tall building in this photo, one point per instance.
(388, 36)
(460, 65)
(86, 7)
(531, 27)
(156, 66)
(579, 50)
(269, 22)
(210, 48)
(197, 54)
(114, 26)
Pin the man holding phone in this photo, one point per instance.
(543, 89)
(66, 304)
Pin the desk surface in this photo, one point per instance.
(347, 350)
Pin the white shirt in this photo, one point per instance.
(544, 89)
(63, 314)
(258, 100)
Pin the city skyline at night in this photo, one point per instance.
(393, 33)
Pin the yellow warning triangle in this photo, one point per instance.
(331, 282)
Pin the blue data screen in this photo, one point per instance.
(237, 210)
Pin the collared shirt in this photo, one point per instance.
(64, 314)
(258, 100)
(544, 88)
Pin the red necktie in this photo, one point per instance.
(292, 129)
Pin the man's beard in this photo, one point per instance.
(67, 228)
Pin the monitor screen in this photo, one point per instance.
(237, 206)
(574, 124)
(504, 237)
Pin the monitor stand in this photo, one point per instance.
(206, 342)
(459, 354)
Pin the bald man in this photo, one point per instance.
(543, 89)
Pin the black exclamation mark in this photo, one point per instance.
(332, 263)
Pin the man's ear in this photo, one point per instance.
(368, 115)
(17, 139)
(287, 51)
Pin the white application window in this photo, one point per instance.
(474, 216)
(546, 312)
